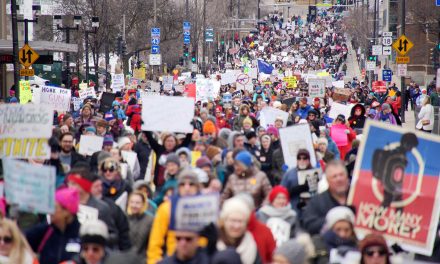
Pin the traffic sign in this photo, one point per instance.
(155, 59)
(387, 75)
(370, 65)
(27, 56)
(387, 34)
(155, 32)
(27, 72)
(402, 45)
(401, 70)
(186, 33)
(155, 49)
(209, 35)
(387, 41)
(186, 39)
(402, 60)
(155, 41)
(186, 25)
(437, 2)
(386, 51)
(377, 50)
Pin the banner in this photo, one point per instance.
(294, 138)
(268, 115)
(25, 130)
(317, 88)
(87, 92)
(25, 92)
(89, 144)
(56, 97)
(395, 187)
(118, 82)
(312, 176)
(30, 187)
(193, 213)
(379, 87)
(170, 114)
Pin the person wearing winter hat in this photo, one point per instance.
(184, 157)
(290, 252)
(337, 232)
(112, 183)
(91, 131)
(94, 235)
(342, 134)
(290, 179)
(244, 173)
(205, 164)
(61, 234)
(117, 111)
(86, 116)
(247, 125)
(234, 218)
(125, 145)
(209, 128)
(374, 250)
(172, 166)
(385, 115)
(251, 144)
(279, 209)
(161, 236)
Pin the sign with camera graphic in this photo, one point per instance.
(395, 187)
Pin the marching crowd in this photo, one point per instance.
(266, 215)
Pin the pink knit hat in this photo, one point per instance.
(68, 198)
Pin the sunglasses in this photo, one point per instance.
(94, 249)
(370, 253)
(187, 239)
(303, 158)
(6, 239)
(111, 169)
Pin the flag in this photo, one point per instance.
(264, 67)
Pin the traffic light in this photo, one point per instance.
(434, 56)
(118, 46)
(124, 48)
(185, 51)
(222, 40)
(193, 56)
(372, 58)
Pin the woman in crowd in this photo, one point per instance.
(374, 250)
(342, 134)
(385, 115)
(265, 159)
(112, 183)
(426, 116)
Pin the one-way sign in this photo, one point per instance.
(155, 49)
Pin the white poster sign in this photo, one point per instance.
(56, 97)
(30, 187)
(118, 82)
(87, 92)
(268, 115)
(312, 177)
(317, 88)
(87, 213)
(89, 144)
(207, 89)
(76, 103)
(164, 113)
(230, 76)
(294, 138)
(340, 109)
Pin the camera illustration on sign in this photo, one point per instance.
(388, 166)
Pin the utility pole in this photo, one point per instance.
(258, 9)
(15, 47)
(402, 79)
(77, 20)
(204, 37)
(87, 32)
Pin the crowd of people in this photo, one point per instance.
(265, 214)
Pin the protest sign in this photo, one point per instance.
(338, 84)
(253, 73)
(395, 187)
(268, 115)
(164, 113)
(312, 177)
(89, 144)
(56, 97)
(30, 187)
(379, 86)
(25, 92)
(76, 103)
(193, 213)
(280, 229)
(339, 109)
(190, 90)
(207, 89)
(230, 76)
(139, 73)
(130, 157)
(341, 94)
(291, 82)
(25, 130)
(86, 214)
(106, 102)
(118, 82)
(294, 138)
(87, 92)
(317, 88)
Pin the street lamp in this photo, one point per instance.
(95, 25)
(57, 20)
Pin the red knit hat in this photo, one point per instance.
(277, 190)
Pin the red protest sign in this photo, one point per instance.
(379, 87)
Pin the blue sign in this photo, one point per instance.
(155, 41)
(155, 49)
(186, 25)
(186, 33)
(387, 75)
(437, 2)
(155, 32)
(186, 39)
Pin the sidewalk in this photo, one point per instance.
(352, 63)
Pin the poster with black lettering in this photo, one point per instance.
(58, 98)
(25, 130)
(395, 187)
(193, 213)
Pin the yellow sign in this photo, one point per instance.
(402, 60)
(82, 86)
(28, 56)
(139, 74)
(291, 82)
(402, 45)
(27, 72)
(25, 92)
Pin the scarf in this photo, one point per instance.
(247, 248)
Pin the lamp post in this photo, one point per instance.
(57, 19)
(95, 25)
